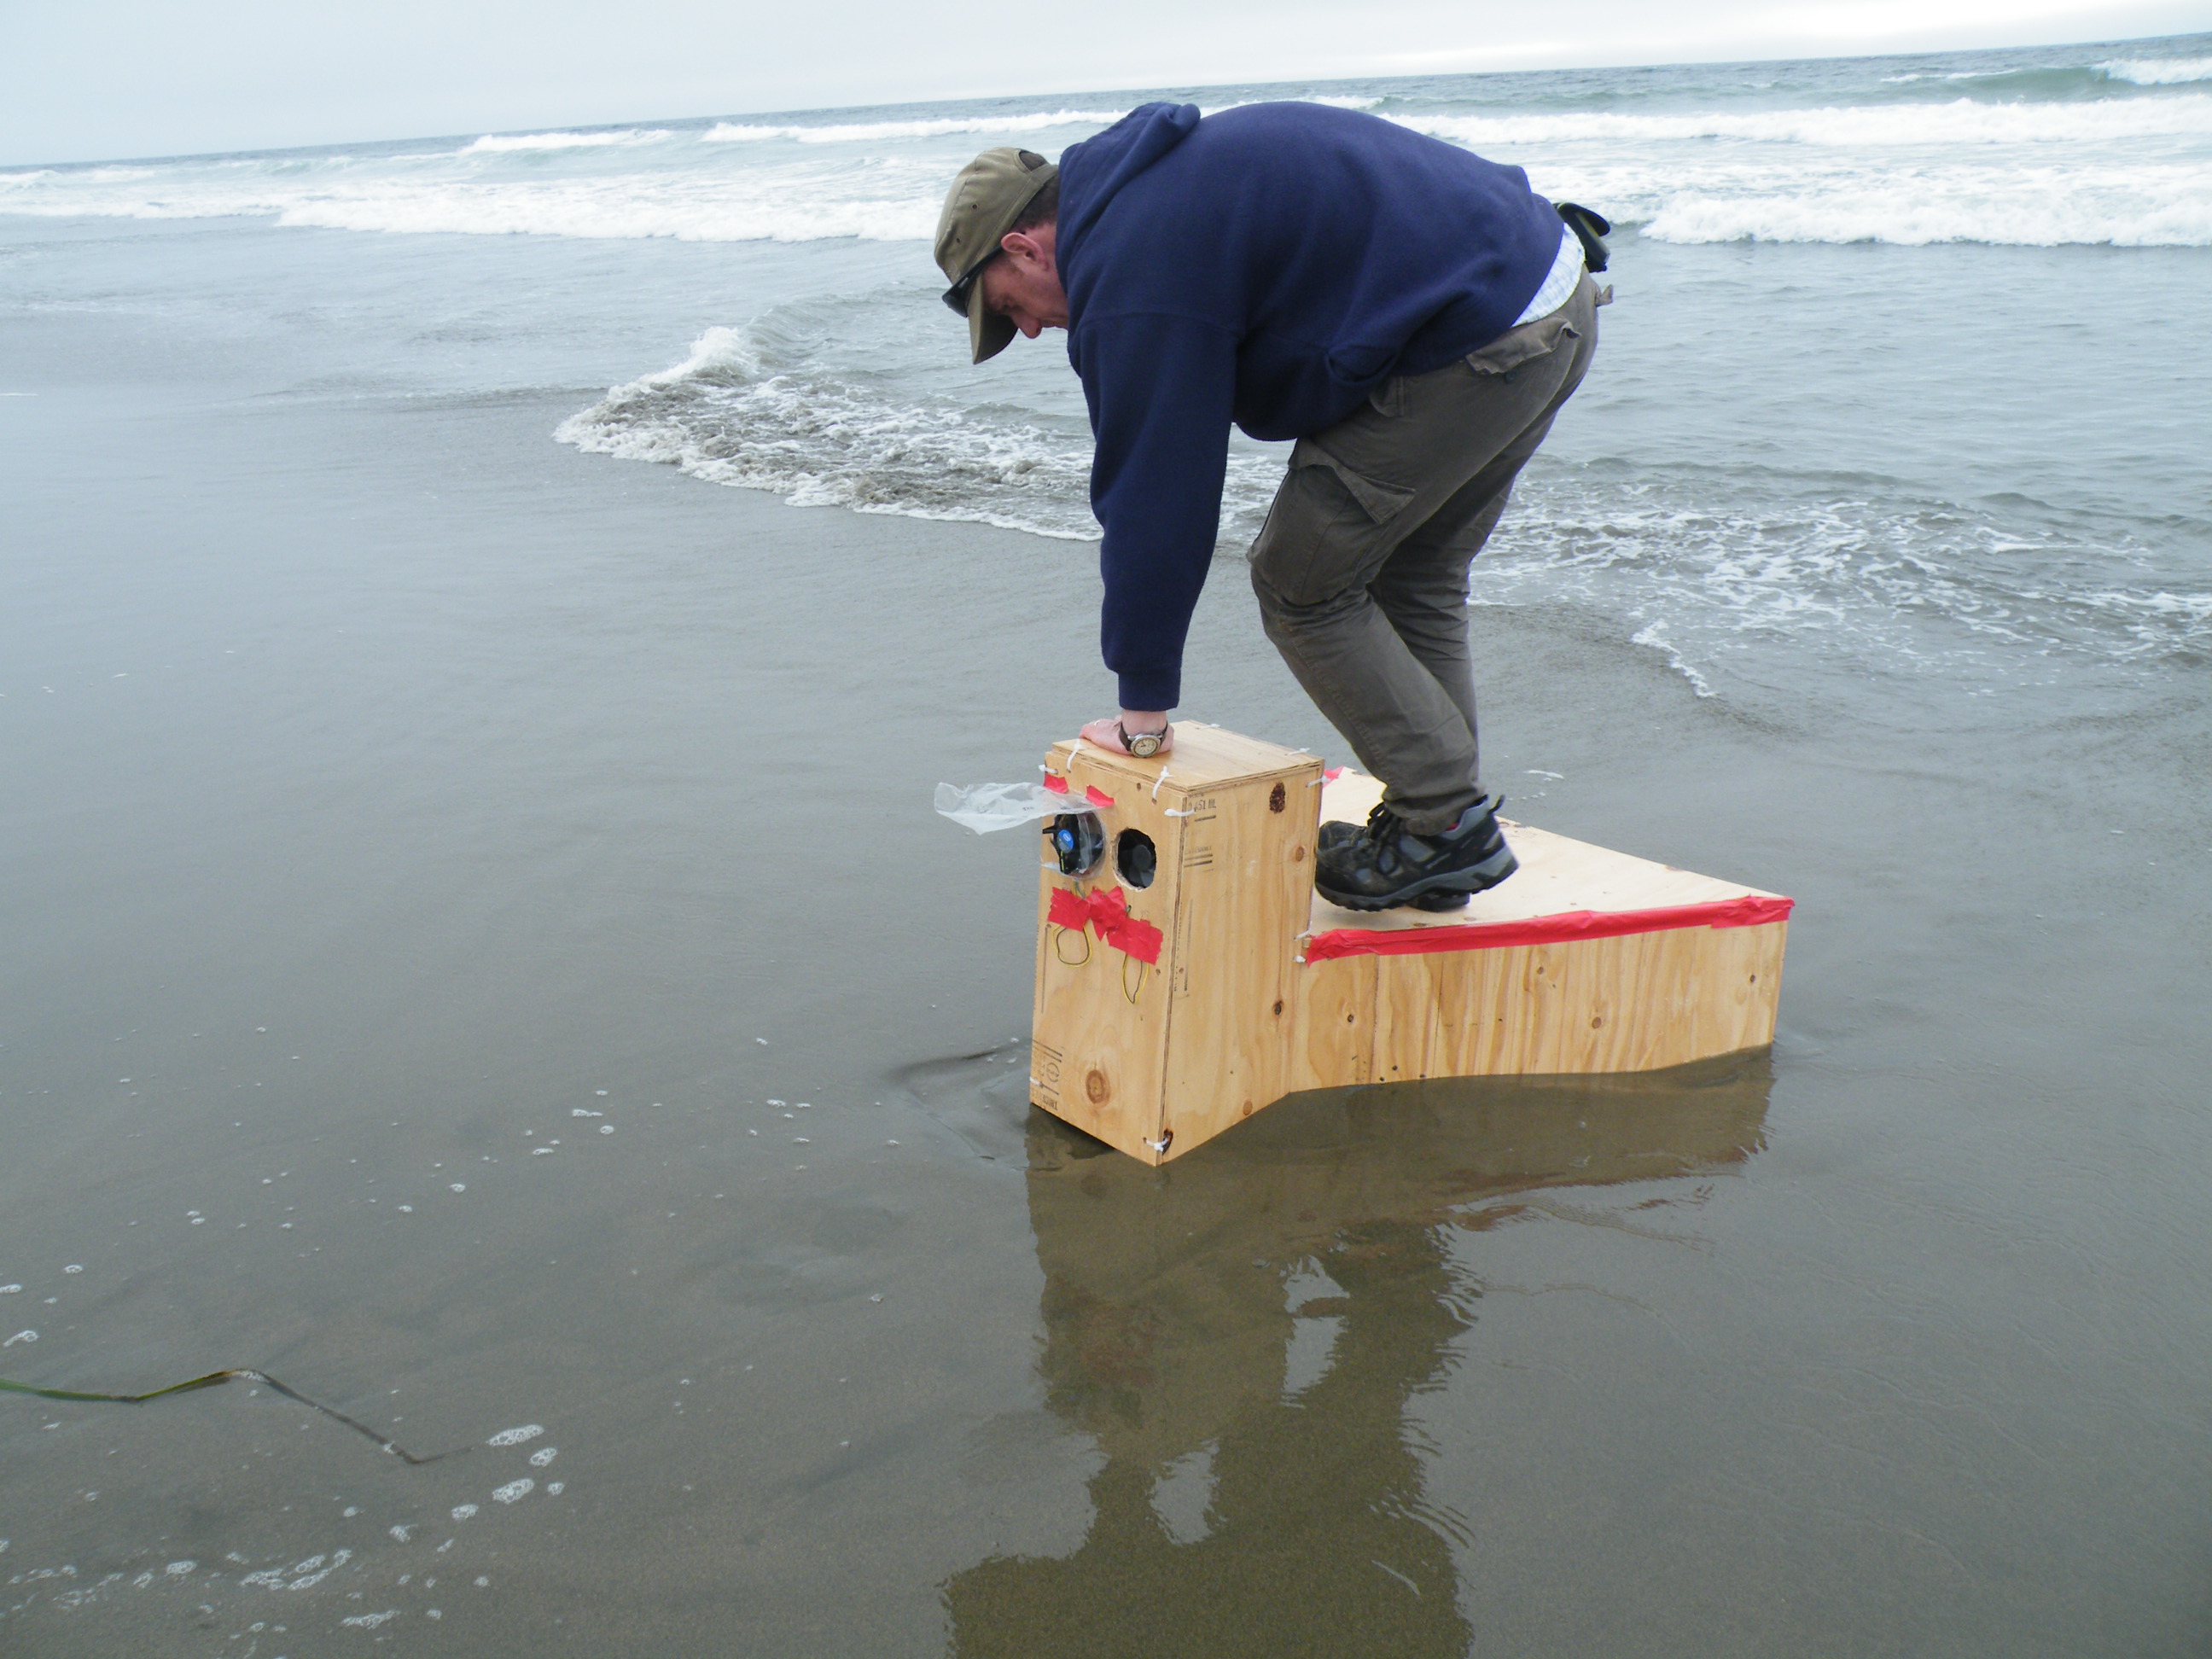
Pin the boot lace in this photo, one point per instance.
(1383, 826)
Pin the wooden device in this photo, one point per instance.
(1191, 975)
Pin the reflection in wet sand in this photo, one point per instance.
(1242, 1331)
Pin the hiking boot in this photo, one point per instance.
(1338, 833)
(1384, 864)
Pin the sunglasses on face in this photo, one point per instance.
(956, 297)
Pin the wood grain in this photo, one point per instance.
(1157, 1061)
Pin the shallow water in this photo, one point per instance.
(386, 780)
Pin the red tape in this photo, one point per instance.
(1107, 912)
(1752, 910)
(1097, 797)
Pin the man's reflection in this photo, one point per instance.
(1241, 1333)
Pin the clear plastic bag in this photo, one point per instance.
(984, 807)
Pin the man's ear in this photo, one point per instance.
(1025, 248)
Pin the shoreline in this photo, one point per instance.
(486, 775)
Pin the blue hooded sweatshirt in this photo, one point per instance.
(1269, 266)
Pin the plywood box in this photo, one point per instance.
(1193, 977)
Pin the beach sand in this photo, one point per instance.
(398, 801)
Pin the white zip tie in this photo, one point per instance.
(1157, 782)
(1184, 812)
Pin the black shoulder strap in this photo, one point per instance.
(1590, 229)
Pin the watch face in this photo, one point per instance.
(1144, 744)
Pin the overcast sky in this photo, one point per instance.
(86, 80)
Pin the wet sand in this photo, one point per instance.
(398, 802)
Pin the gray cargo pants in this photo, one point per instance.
(1362, 567)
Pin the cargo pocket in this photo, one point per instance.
(1327, 530)
(1523, 345)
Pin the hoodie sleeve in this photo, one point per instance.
(1160, 390)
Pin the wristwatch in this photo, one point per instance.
(1143, 744)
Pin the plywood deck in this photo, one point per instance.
(1585, 961)
(1557, 876)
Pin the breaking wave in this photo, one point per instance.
(2159, 71)
(1868, 126)
(496, 143)
(852, 132)
(2010, 153)
(725, 416)
(1709, 571)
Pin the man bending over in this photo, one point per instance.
(1412, 314)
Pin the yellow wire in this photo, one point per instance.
(1126, 991)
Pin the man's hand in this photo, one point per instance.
(1107, 733)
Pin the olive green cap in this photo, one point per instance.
(991, 193)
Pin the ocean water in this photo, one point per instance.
(482, 620)
(1733, 504)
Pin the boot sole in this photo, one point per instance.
(1461, 884)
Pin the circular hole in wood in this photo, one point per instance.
(1135, 858)
(1279, 1005)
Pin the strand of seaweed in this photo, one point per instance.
(216, 1379)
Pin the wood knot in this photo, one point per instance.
(1298, 856)
(1277, 799)
(1279, 1005)
(1096, 1087)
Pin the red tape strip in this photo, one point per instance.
(1752, 910)
(1107, 912)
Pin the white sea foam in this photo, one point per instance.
(1868, 126)
(861, 132)
(726, 416)
(1912, 587)
(495, 143)
(1705, 576)
(2168, 206)
(719, 416)
(2131, 169)
(849, 132)
(899, 204)
(2159, 71)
